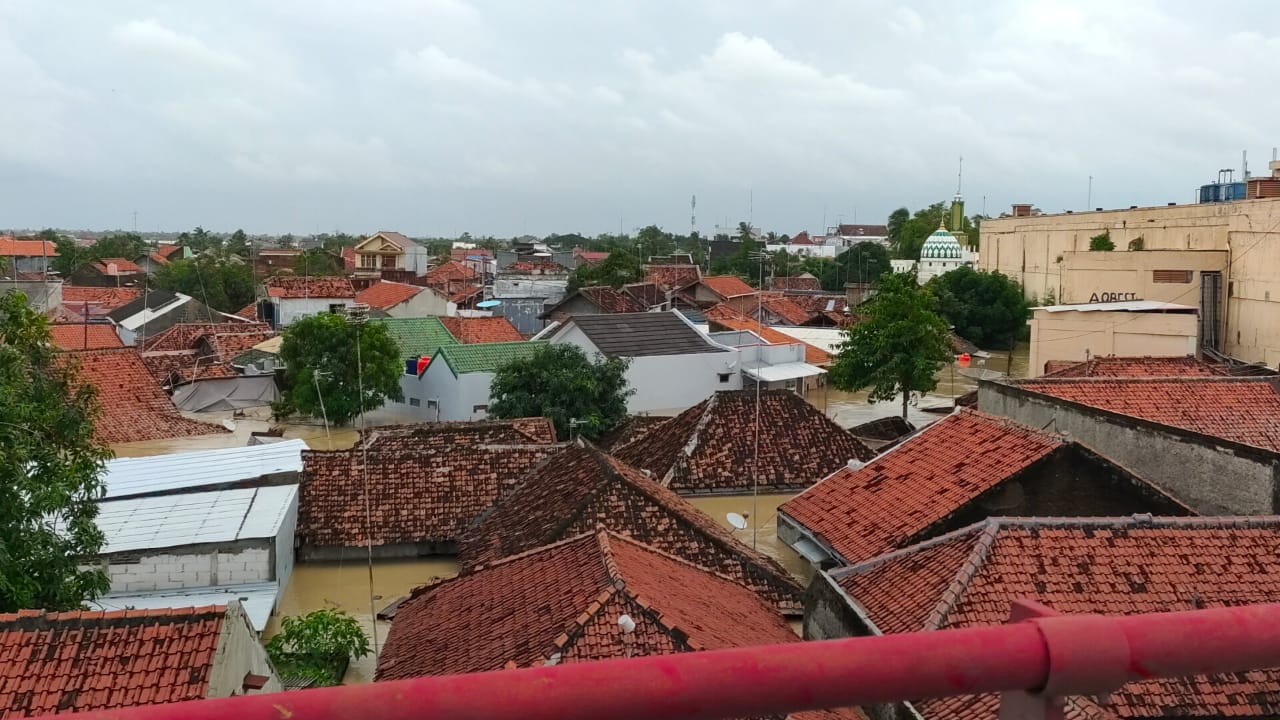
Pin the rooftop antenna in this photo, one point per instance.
(1089, 202)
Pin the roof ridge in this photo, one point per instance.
(532, 551)
(578, 625)
(972, 563)
(875, 562)
(676, 559)
(1141, 520)
(611, 568)
(1007, 423)
(691, 446)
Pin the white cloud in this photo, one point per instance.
(164, 45)
(906, 21)
(607, 95)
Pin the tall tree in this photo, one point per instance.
(897, 347)
(324, 371)
(70, 257)
(317, 261)
(864, 262)
(560, 382)
(896, 223)
(238, 244)
(50, 468)
(987, 309)
(912, 233)
(221, 283)
(620, 268)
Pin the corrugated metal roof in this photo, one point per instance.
(1125, 305)
(258, 600)
(128, 477)
(194, 518)
(781, 371)
(828, 339)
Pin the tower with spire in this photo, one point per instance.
(945, 250)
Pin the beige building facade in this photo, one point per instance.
(1063, 333)
(1222, 258)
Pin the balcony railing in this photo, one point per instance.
(1034, 661)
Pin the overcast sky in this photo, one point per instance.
(435, 117)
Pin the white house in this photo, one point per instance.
(777, 366)
(399, 300)
(455, 383)
(674, 366)
(290, 297)
(388, 250)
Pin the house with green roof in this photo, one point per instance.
(419, 336)
(454, 385)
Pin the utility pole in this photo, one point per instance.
(1088, 204)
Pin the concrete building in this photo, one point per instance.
(1132, 327)
(454, 385)
(673, 365)
(290, 298)
(26, 256)
(776, 366)
(1221, 257)
(399, 300)
(387, 250)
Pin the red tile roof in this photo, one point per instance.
(185, 336)
(1113, 366)
(727, 286)
(1243, 410)
(94, 336)
(563, 601)
(175, 367)
(789, 311)
(386, 295)
(107, 298)
(591, 257)
(348, 255)
(795, 282)
(1111, 566)
(426, 482)
(248, 312)
(581, 488)
(122, 266)
(672, 277)
(12, 247)
(631, 429)
(646, 293)
(450, 271)
(801, 238)
(81, 661)
(482, 329)
(819, 303)
(888, 502)
(464, 253)
(537, 267)
(165, 251)
(289, 286)
(134, 408)
(709, 447)
(726, 317)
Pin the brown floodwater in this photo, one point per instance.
(765, 536)
(345, 586)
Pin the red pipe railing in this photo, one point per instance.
(1045, 654)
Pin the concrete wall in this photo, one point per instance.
(1074, 335)
(550, 287)
(424, 304)
(291, 309)
(1096, 276)
(441, 395)
(41, 296)
(239, 563)
(239, 653)
(1213, 476)
(523, 313)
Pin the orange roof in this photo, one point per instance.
(12, 247)
(1243, 410)
(790, 312)
(564, 601)
(452, 270)
(482, 329)
(105, 297)
(134, 408)
(795, 282)
(166, 250)
(293, 287)
(672, 277)
(1147, 366)
(81, 661)
(248, 312)
(385, 295)
(123, 266)
(727, 286)
(726, 317)
(1108, 566)
(184, 336)
(93, 336)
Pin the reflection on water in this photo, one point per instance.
(345, 586)
(766, 535)
(849, 409)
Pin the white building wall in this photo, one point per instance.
(424, 304)
(239, 653)
(441, 395)
(283, 549)
(177, 570)
(291, 309)
(417, 259)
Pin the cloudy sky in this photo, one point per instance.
(436, 117)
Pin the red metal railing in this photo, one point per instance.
(1044, 654)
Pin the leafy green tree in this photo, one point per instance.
(1102, 242)
(896, 223)
(335, 242)
(911, 233)
(653, 241)
(118, 245)
(320, 356)
(864, 262)
(317, 646)
(316, 261)
(286, 241)
(897, 347)
(70, 257)
(238, 244)
(620, 268)
(987, 309)
(218, 282)
(50, 470)
(560, 382)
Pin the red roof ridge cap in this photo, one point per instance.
(1140, 520)
(973, 562)
(1004, 422)
(872, 563)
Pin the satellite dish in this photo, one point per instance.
(488, 303)
(627, 624)
(229, 424)
(737, 521)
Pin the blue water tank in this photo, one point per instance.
(1222, 192)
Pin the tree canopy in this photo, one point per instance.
(987, 309)
(864, 262)
(50, 468)
(317, 646)
(317, 261)
(620, 268)
(221, 283)
(897, 347)
(560, 382)
(322, 375)
(71, 256)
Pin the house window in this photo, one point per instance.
(724, 377)
(337, 308)
(479, 408)
(369, 261)
(389, 261)
(1181, 277)
(415, 402)
(433, 403)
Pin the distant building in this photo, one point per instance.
(398, 299)
(942, 253)
(289, 298)
(387, 250)
(525, 290)
(110, 272)
(454, 385)
(852, 234)
(153, 312)
(161, 256)
(26, 256)
(1075, 333)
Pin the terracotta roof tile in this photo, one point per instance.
(726, 317)
(1111, 566)
(175, 367)
(385, 295)
(348, 256)
(1243, 410)
(887, 502)
(81, 661)
(449, 272)
(563, 601)
(819, 302)
(426, 482)
(671, 278)
(646, 293)
(633, 428)
(612, 300)
(482, 329)
(290, 286)
(786, 309)
(93, 336)
(581, 488)
(537, 267)
(165, 251)
(134, 408)
(12, 247)
(185, 336)
(709, 447)
(1113, 366)
(727, 286)
(106, 298)
(795, 282)
(123, 266)
(248, 312)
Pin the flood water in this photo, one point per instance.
(345, 586)
(765, 536)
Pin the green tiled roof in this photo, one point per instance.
(484, 357)
(418, 336)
